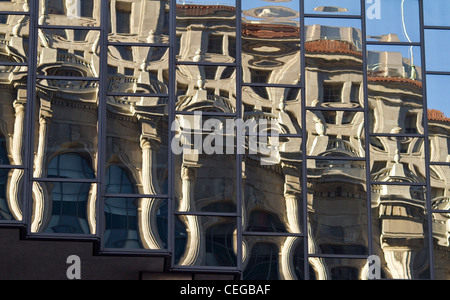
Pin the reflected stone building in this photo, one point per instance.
(96, 95)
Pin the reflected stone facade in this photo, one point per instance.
(358, 162)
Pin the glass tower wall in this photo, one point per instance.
(282, 139)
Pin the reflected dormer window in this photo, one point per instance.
(332, 92)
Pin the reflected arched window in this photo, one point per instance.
(69, 199)
(5, 213)
(265, 222)
(121, 223)
(219, 245)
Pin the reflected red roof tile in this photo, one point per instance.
(436, 115)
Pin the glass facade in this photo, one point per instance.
(275, 140)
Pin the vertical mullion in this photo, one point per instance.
(240, 133)
(304, 180)
(171, 110)
(426, 142)
(30, 108)
(101, 128)
(367, 126)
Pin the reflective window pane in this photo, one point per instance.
(14, 37)
(11, 194)
(341, 7)
(70, 53)
(435, 12)
(436, 41)
(338, 205)
(206, 31)
(139, 21)
(280, 105)
(271, 42)
(138, 70)
(64, 208)
(273, 258)
(334, 63)
(272, 189)
(133, 223)
(335, 133)
(69, 12)
(206, 88)
(15, 5)
(205, 241)
(400, 234)
(66, 125)
(393, 21)
(137, 152)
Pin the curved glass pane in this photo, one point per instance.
(70, 12)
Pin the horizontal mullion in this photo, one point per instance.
(205, 63)
(274, 85)
(437, 27)
(398, 183)
(12, 167)
(394, 135)
(138, 95)
(380, 43)
(332, 16)
(439, 163)
(134, 252)
(24, 13)
(206, 214)
(440, 211)
(69, 27)
(14, 64)
(64, 237)
(190, 269)
(315, 108)
(319, 158)
(272, 234)
(68, 180)
(137, 44)
(437, 73)
(206, 113)
(166, 197)
(345, 256)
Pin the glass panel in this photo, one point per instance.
(273, 258)
(64, 208)
(11, 194)
(138, 70)
(133, 223)
(206, 88)
(66, 124)
(14, 38)
(440, 187)
(205, 241)
(279, 105)
(341, 7)
(395, 90)
(437, 97)
(335, 133)
(72, 53)
(400, 234)
(441, 232)
(337, 205)
(16, 5)
(139, 21)
(436, 41)
(137, 151)
(205, 163)
(13, 101)
(334, 63)
(69, 12)
(393, 21)
(206, 31)
(338, 268)
(271, 42)
(435, 12)
(398, 159)
(272, 189)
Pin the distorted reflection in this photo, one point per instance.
(271, 42)
(70, 12)
(138, 21)
(206, 31)
(393, 21)
(341, 7)
(334, 69)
